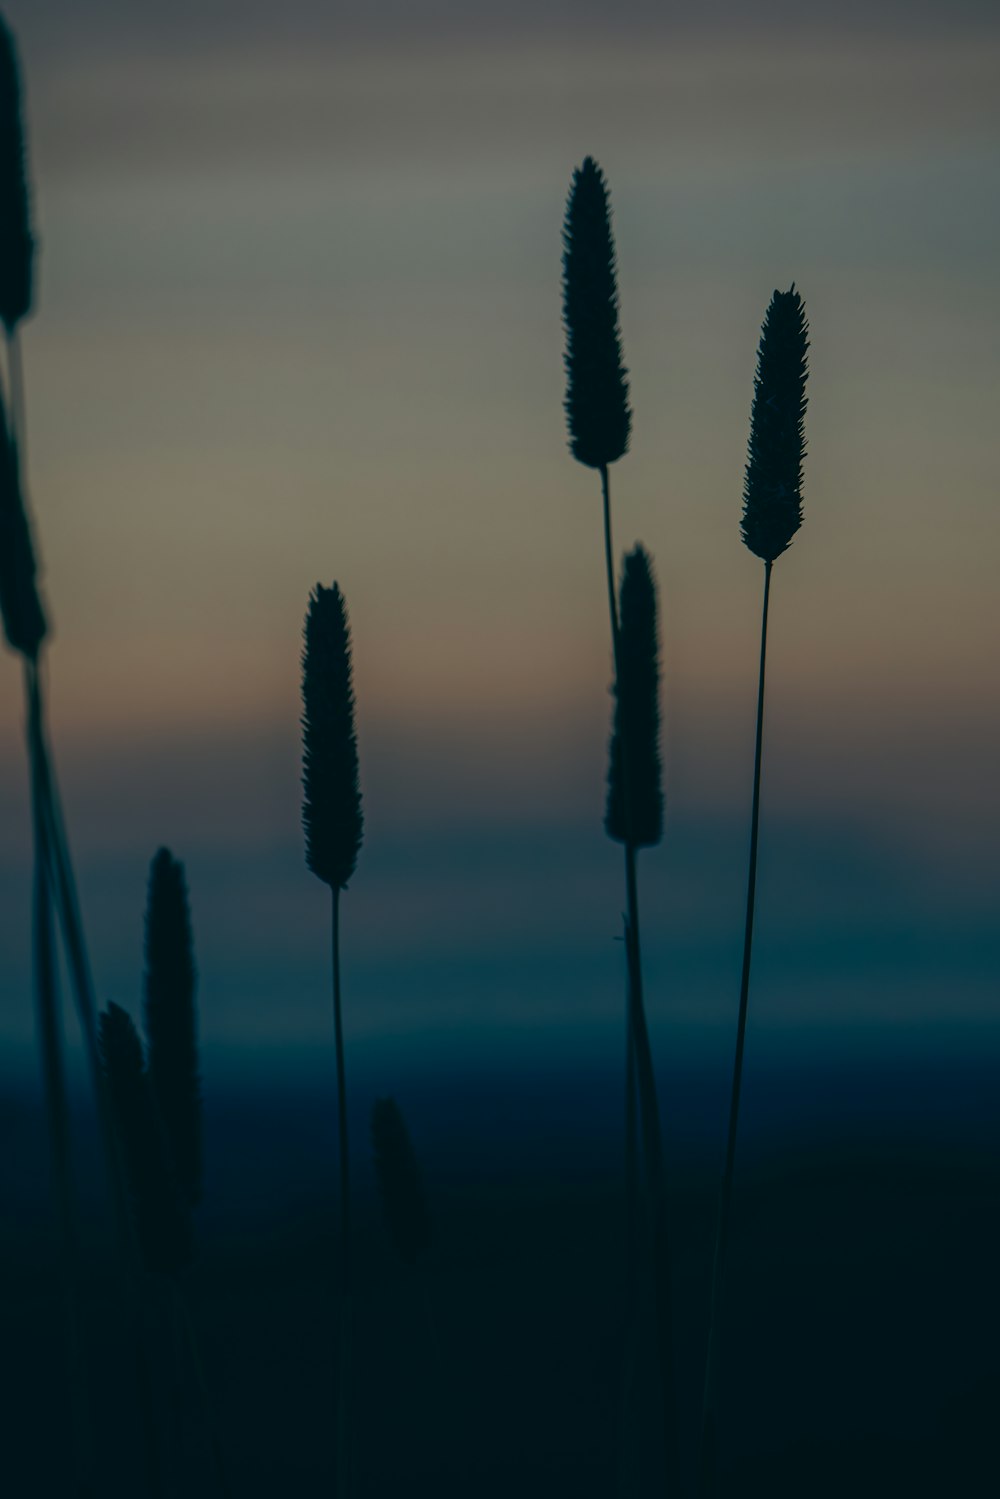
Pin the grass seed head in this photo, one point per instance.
(634, 811)
(17, 244)
(772, 488)
(331, 810)
(596, 404)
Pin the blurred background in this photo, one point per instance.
(298, 319)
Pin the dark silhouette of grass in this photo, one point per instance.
(634, 817)
(772, 513)
(158, 1115)
(20, 603)
(163, 1222)
(26, 632)
(170, 1020)
(57, 1110)
(17, 242)
(599, 421)
(332, 821)
(634, 813)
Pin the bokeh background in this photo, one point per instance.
(299, 320)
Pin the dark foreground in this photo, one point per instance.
(863, 1308)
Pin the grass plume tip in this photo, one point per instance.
(17, 243)
(331, 810)
(634, 811)
(772, 488)
(596, 404)
(171, 1020)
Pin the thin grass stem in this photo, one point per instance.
(57, 1109)
(190, 1332)
(67, 907)
(708, 1424)
(343, 1457)
(652, 1149)
(640, 1093)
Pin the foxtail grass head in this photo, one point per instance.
(331, 809)
(634, 812)
(596, 403)
(171, 1021)
(399, 1181)
(17, 244)
(163, 1224)
(20, 605)
(772, 488)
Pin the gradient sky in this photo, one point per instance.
(299, 319)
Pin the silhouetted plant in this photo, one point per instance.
(331, 812)
(332, 821)
(772, 488)
(772, 513)
(634, 761)
(20, 604)
(162, 1219)
(600, 421)
(157, 1110)
(634, 817)
(400, 1185)
(170, 1020)
(596, 389)
(58, 1117)
(17, 243)
(25, 629)
(596, 404)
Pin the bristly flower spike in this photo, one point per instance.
(399, 1180)
(20, 605)
(634, 811)
(331, 811)
(171, 1022)
(596, 404)
(17, 245)
(162, 1222)
(772, 489)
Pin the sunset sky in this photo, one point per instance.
(298, 320)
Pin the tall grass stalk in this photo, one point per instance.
(159, 1191)
(599, 421)
(57, 1111)
(170, 1021)
(25, 628)
(634, 818)
(333, 824)
(772, 513)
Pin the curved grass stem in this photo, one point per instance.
(642, 1115)
(67, 907)
(708, 1423)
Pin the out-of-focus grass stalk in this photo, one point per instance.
(25, 628)
(57, 1110)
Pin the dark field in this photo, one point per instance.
(862, 1318)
